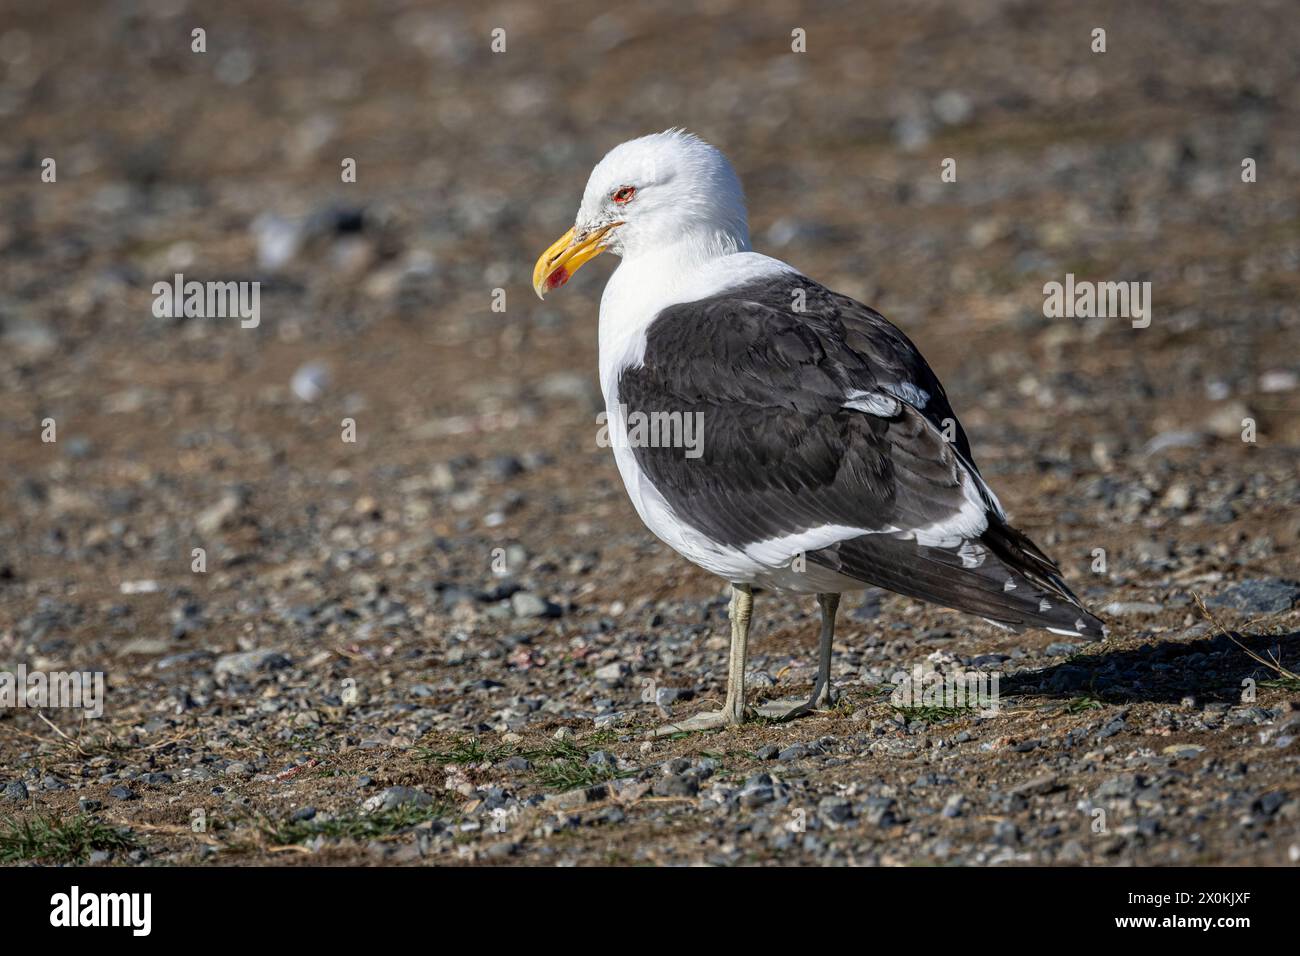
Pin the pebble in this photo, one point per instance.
(1259, 596)
(613, 673)
(15, 791)
(526, 604)
(395, 797)
(1130, 608)
(310, 381)
(248, 664)
(218, 515)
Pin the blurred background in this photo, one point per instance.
(476, 429)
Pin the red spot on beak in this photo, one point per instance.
(557, 278)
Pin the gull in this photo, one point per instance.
(829, 458)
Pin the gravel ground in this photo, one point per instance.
(444, 643)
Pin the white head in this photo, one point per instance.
(649, 194)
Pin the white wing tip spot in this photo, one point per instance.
(1044, 606)
(1010, 585)
(971, 554)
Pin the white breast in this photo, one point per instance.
(631, 301)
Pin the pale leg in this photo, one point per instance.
(733, 710)
(823, 695)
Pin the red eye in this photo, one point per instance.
(623, 194)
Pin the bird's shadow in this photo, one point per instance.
(1211, 668)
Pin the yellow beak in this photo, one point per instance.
(566, 256)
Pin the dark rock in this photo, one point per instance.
(15, 791)
(1259, 596)
(395, 797)
(681, 785)
(247, 664)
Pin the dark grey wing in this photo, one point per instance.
(829, 416)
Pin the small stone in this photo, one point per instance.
(1130, 608)
(1279, 380)
(500, 851)
(672, 695)
(1173, 439)
(1036, 786)
(310, 381)
(526, 604)
(15, 791)
(1269, 803)
(1006, 833)
(758, 790)
(835, 809)
(303, 813)
(395, 797)
(121, 792)
(1111, 729)
(1178, 497)
(954, 806)
(879, 811)
(246, 664)
(1061, 649)
(220, 515)
(613, 673)
(147, 586)
(681, 785)
(1225, 421)
(89, 805)
(1259, 596)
